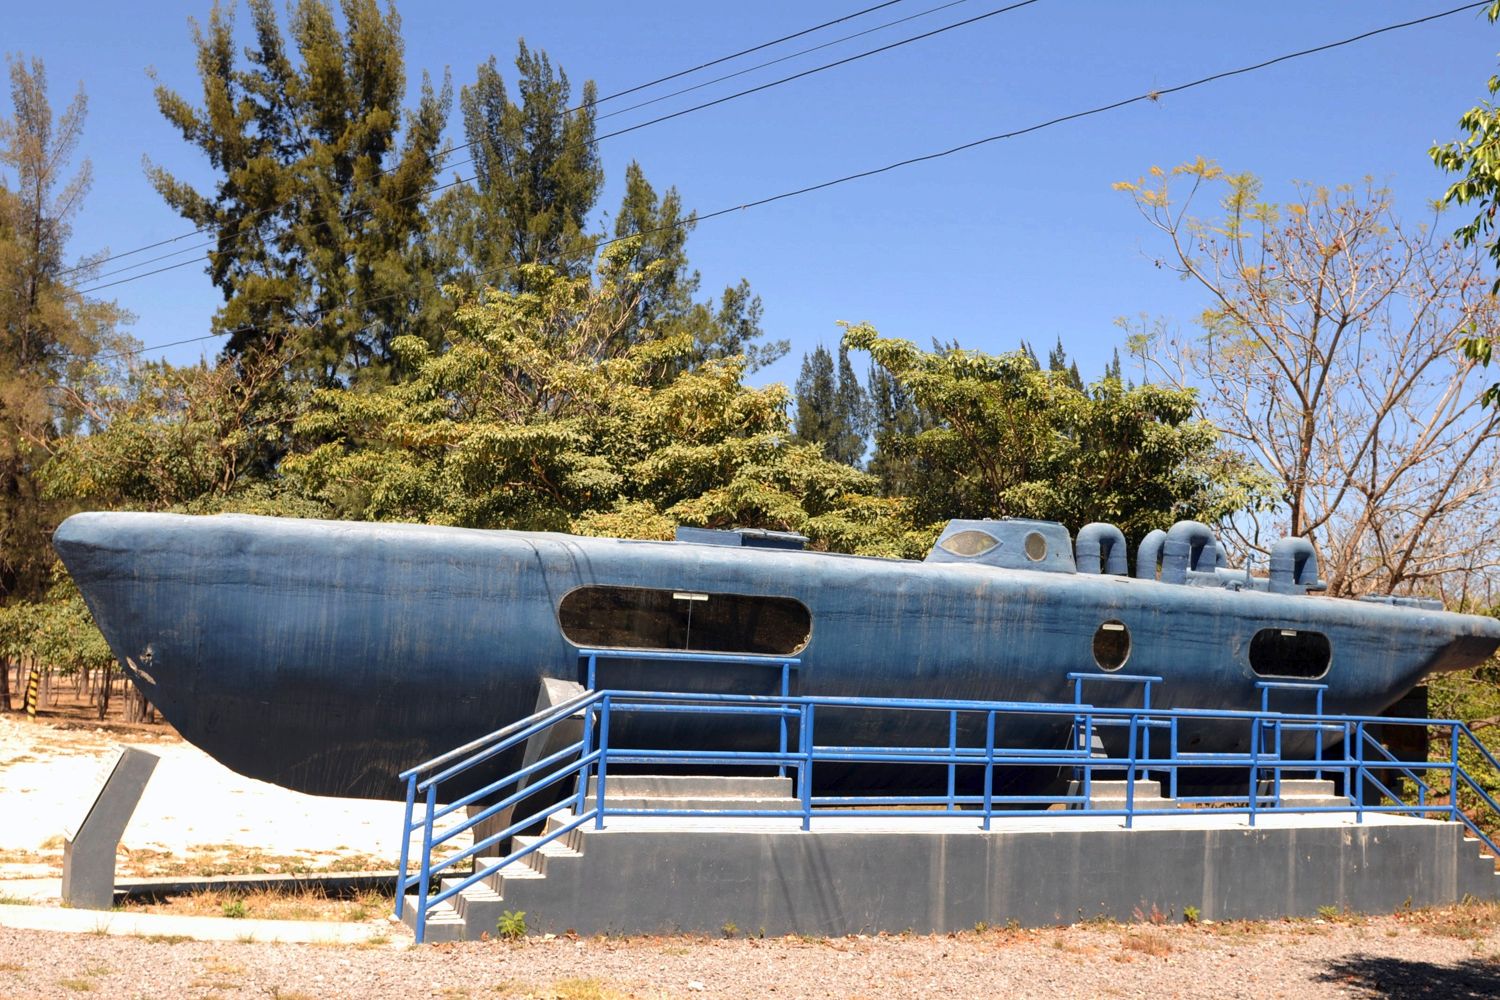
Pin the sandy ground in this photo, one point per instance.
(196, 816)
(1449, 955)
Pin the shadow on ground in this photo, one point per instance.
(1376, 976)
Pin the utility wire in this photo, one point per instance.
(597, 101)
(744, 52)
(463, 180)
(780, 59)
(1150, 95)
(622, 131)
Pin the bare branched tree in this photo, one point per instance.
(1332, 353)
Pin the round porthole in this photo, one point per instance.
(1036, 546)
(1112, 645)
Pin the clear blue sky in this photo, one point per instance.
(1022, 238)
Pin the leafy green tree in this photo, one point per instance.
(1007, 439)
(187, 438)
(1477, 157)
(524, 419)
(48, 330)
(318, 210)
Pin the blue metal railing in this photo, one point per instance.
(972, 750)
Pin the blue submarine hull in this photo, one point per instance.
(328, 656)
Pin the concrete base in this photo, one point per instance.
(857, 874)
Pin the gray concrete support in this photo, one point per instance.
(88, 880)
(839, 882)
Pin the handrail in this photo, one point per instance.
(567, 707)
(587, 760)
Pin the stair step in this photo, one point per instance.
(1112, 794)
(443, 921)
(1117, 789)
(692, 786)
(705, 804)
(1301, 787)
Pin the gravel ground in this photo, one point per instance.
(1451, 954)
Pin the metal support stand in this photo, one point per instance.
(88, 880)
(551, 693)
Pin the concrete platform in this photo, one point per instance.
(862, 874)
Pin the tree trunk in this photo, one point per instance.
(5, 669)
(104, 679)
(137, 708)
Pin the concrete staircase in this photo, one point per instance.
(695, 791)
(1306, 793)
(1112, 794)
(1479, 876)
(476, 910)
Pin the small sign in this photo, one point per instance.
(101, 779)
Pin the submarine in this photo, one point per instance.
(328, 656)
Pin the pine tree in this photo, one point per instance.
(817, 403)
(48, 331)
(665, 302)
(537, 176)
(833, 409)
(319, 208)
(1112, 369)
(851, 415)
(1057, 361)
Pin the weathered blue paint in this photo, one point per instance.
(328, 656)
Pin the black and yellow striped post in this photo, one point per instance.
(33, 691)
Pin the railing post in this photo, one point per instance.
(593, 670)
(1254, 766)
(807, 765)
(1088, 762)
(1318, 744)
(1276, 771)
(1453, 810)
(1130, 774)
(603, 763)
(989, 767)
(952, 756)
(401, 880)
(1359, 780)
(786, 692)
(587, 748)
(1146, 734)
(426, 876)
(1172, 756)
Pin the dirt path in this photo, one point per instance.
(1452, 954)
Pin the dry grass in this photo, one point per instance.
(1150, 941)
(1467, 921)
(272, 904)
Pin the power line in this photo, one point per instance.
(780, 59)
(1150, 95)
(597, 101)
(744, 52)
(627, 129)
